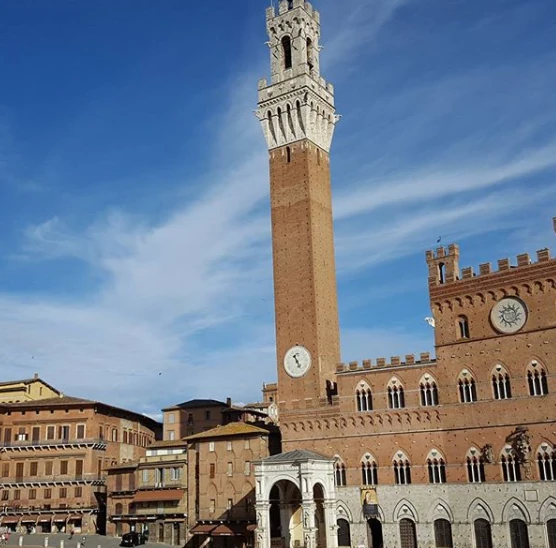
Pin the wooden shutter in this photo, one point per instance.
(408, 534)
(443, 534)
(483, 536)
(518, 534)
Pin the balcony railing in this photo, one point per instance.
(40, 481)
(25, 445)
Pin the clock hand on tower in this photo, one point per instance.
(296, 360)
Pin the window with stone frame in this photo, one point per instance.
(546, 462)
(428, 391)
(501, 385)
(396, 397)
(340, 475)
(475, 466)
(537, 380)
(467, 388)
(483, 533)
(511, 469)
(402, 469)
(436, 467)
(369, 470)
(364, 397)
(462, 328)
(443, 534)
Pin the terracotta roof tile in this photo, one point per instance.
(232, 429)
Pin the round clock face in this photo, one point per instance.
(508, 315)
(297, 361)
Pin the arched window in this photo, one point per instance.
(428, 391)
(287, 52)
(369, 470)
(340, 478)
(344, 535)
(551, 533)
(310, 62)
(546, 460)
(118, 509)
(396, 399)
(288, 154)
(364, 397)
(408, 534)
(114, 434)
(402, 469)
(519, 535)
(436, 467)
(511, 471)
(537, 380)
(483, 533)
(463, 327)
(501, 386)
(467, 388)
(443, 534)
(475, 466)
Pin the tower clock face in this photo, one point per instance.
(297, 361)
(508, 315)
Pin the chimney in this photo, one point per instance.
(36, 376)
(228, 402)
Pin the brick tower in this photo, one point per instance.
(297, 115)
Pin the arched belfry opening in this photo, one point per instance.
(296, 501)
(287, 52)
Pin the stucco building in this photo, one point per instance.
(456, 449)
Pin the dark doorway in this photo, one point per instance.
(518, 534)
(344, 536)
(374, 533)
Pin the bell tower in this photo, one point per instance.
(297, 114)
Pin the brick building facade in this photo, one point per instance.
(452, 450)
(53, 458)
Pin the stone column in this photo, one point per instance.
(331, 524)
(285, 518)
(309, 529)
(262, 534)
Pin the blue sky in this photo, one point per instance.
(135, 261)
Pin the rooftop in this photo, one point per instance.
(232, 429)
(295, 456)
(195, 404)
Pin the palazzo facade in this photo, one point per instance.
(452, 450)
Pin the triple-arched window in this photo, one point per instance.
(511, 469)
(428, 391)
(340, 476)
(402, 469)
(369, 470)
(364, 397)
(436, 467)
(546, 461)
(501, 386)
(396, 398)
(537, 380)
(475, 466)
(467, 387)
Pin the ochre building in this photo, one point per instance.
(53, 456)
(456, 449)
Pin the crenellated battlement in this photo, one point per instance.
(383, 363)
(444, 269)
(287, 5)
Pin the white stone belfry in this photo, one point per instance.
(298, 104)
